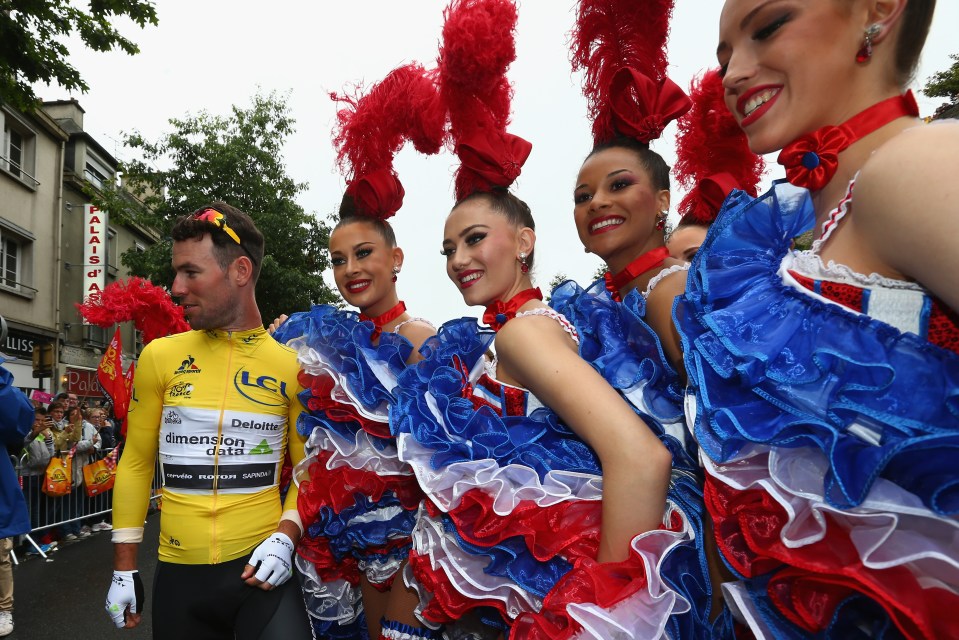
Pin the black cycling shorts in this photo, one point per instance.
(210, 602)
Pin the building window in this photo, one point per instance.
(113, 251)
(17, 149)
(96, 336)
(16, 259)
(97, 171)
(9, 262)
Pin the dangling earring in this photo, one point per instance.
(661, 220)
(865, 51)
(523, 264)
(396, 271)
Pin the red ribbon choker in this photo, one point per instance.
(649, 260)
(812, 160)
(498, 313)
(383, 319)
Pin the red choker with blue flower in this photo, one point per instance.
(812, 160)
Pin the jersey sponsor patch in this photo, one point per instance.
(205, 444)
(261, 389)
(188, 366)
(225, 477)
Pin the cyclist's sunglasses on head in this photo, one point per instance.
(216, 218)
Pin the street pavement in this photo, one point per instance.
(62, 598)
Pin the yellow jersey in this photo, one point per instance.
(219, 411)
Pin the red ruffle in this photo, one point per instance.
(809, 582)
(337, 488)
(320, 401)
(447, 604)
(328, 568)
(569, 529)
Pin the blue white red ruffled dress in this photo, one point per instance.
(511, 529)
(829, 437)
(357, 500)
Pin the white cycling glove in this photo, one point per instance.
(126, 590)
(273, 559)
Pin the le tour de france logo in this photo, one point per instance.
(252, 386)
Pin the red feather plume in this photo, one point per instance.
(610, 35)
(477, 48)
(710, 143)
(150, 307)
(372, 128)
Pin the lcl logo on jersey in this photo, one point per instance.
(252, 386)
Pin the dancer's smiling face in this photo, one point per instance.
(616, 205)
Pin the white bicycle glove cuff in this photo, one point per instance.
(273, 559)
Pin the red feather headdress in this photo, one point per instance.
(372, 128)
(620, 45)
(478, 46)
(713, 156)
(150, 307)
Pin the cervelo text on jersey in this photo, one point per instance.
(241, 454)
(265, 390)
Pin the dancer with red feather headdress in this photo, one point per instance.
(357, 499)
(547, 512)
(712, 160)
(625, 322)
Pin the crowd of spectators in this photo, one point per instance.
(67, 426)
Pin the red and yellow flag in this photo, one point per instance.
(110, 375)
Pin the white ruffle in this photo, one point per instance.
(313, 364)
(379, 569)
(360, 454)
(811, 265)
(509, 485)
(465, 571)
(645, 613)
(656, 279)
(890, 528)
(336, 601)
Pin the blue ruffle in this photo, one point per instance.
(348, 534)
(615, 339)
(771, 365)
(345, 345)
(539, 441)
(617, 342)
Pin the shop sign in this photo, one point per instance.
(94, 250)
(83, 382)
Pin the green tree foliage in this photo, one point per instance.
(31, 50)
(945, 84)
(237, 159)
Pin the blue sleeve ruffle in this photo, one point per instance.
(771, 365)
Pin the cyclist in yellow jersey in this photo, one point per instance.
(217, 406)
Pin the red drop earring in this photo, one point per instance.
(865, 51)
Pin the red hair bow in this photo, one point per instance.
(378, 194)
(716, 188)
(643, 107)
(496, 157)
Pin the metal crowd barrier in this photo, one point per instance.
(47, 512)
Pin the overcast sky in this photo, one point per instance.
(211, 54)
